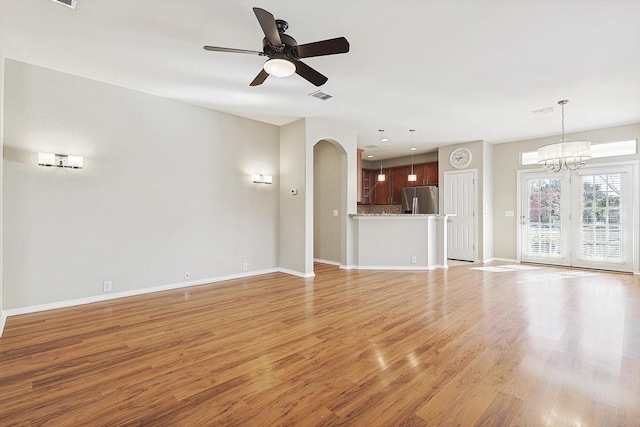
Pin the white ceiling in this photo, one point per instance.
(455, 71)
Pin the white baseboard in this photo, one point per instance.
(296, 273)
(398, 267)
(324, 261)
(3, 319)
(135, 292)
(513, 261)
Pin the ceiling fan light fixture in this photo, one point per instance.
(279, 67)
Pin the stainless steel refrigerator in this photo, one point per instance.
(422, 199)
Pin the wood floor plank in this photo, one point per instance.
(457, 347)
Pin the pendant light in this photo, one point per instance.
(412, 177)
(564, 154)
(381, 176)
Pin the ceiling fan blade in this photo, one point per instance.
(308, 73)
(268, 24)
(324, 47)
(260, 78)
(231, 50)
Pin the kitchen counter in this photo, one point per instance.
(400, 241)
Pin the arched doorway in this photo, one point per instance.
(329, 202)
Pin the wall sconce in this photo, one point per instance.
(262, 179)
(60, 160)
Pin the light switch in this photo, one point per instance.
(335, 212)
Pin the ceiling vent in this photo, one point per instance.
(542, 112)
(70, 3)
(371, 146)
(321, 95)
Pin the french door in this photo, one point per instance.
(582, 218)
(545, 218)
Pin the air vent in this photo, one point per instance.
(371, 146)
(542, 112)
(321, 95)
(70, 3)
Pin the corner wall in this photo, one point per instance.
(165, 189)
(295, 216)
(2, 315)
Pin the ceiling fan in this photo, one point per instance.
(284, 52)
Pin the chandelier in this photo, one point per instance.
(564, 154)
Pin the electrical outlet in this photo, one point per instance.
(187, 275)
(245, 266)
(414, 260)
(107, 286)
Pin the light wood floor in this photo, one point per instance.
(463, 347)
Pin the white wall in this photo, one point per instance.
(327, 193)
(165, 188)
(506, 159)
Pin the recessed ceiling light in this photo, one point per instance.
(413, 148)
(370, 156)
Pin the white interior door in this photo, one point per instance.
(460, 199)
(583, 218)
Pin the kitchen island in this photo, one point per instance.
(399, 241)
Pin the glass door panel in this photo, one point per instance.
(605, 231)
(544, 223)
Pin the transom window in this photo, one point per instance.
(598, 150)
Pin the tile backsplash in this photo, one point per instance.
(379, 209)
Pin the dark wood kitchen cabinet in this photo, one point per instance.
(368, 186)
(426, 174)
(389, 191)
(399, 180)
(381, 188)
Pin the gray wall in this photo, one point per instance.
(293, 209)
(506, 159)
(327, 178)
(344, 136)
(165, 188)
(2, 61)
(481, 160)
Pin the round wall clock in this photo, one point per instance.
(460, 158)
